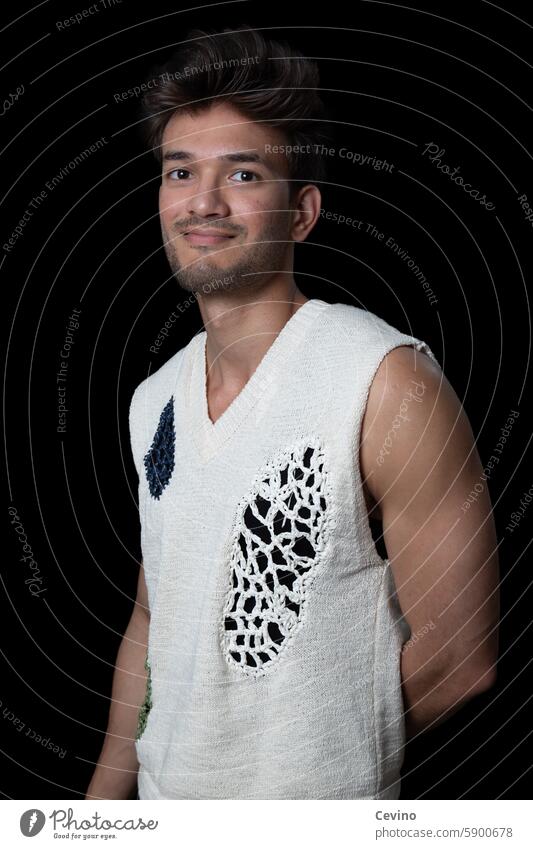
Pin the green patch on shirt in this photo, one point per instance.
(147, 704)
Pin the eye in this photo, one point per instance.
(177, 171)
(249, 173)
(250, 176)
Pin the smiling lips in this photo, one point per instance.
(206, 237)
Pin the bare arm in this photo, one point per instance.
(443, 557)
(115, 776)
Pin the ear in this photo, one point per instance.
(307, 205)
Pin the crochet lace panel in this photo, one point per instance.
(277, 540)
(159, 460)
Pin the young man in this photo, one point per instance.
(264, 655)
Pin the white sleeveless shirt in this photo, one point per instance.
(275, 634)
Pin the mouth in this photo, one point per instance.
(206, 237)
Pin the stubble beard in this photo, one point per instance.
(254, 265)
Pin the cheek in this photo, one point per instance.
(168, 204)
(261, 213)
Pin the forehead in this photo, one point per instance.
(222, 129)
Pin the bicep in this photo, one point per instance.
(443, 555)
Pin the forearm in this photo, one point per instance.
(432, 692)
(115, 775)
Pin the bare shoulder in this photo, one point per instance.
(413, 423)
(403, 371)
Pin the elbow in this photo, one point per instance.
(485, 680)
(472, 682)
(476, 673)
(478, 681)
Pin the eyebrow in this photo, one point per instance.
(237, 156)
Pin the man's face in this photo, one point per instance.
(243, 201)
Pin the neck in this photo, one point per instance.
(241, 326)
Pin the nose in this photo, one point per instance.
(208, 200)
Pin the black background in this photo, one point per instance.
(395, 79)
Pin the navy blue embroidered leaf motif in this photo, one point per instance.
(159, 461)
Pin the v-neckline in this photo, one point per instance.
(209, 435)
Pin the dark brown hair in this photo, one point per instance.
(274, 85)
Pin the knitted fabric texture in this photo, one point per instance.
(275, 630)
